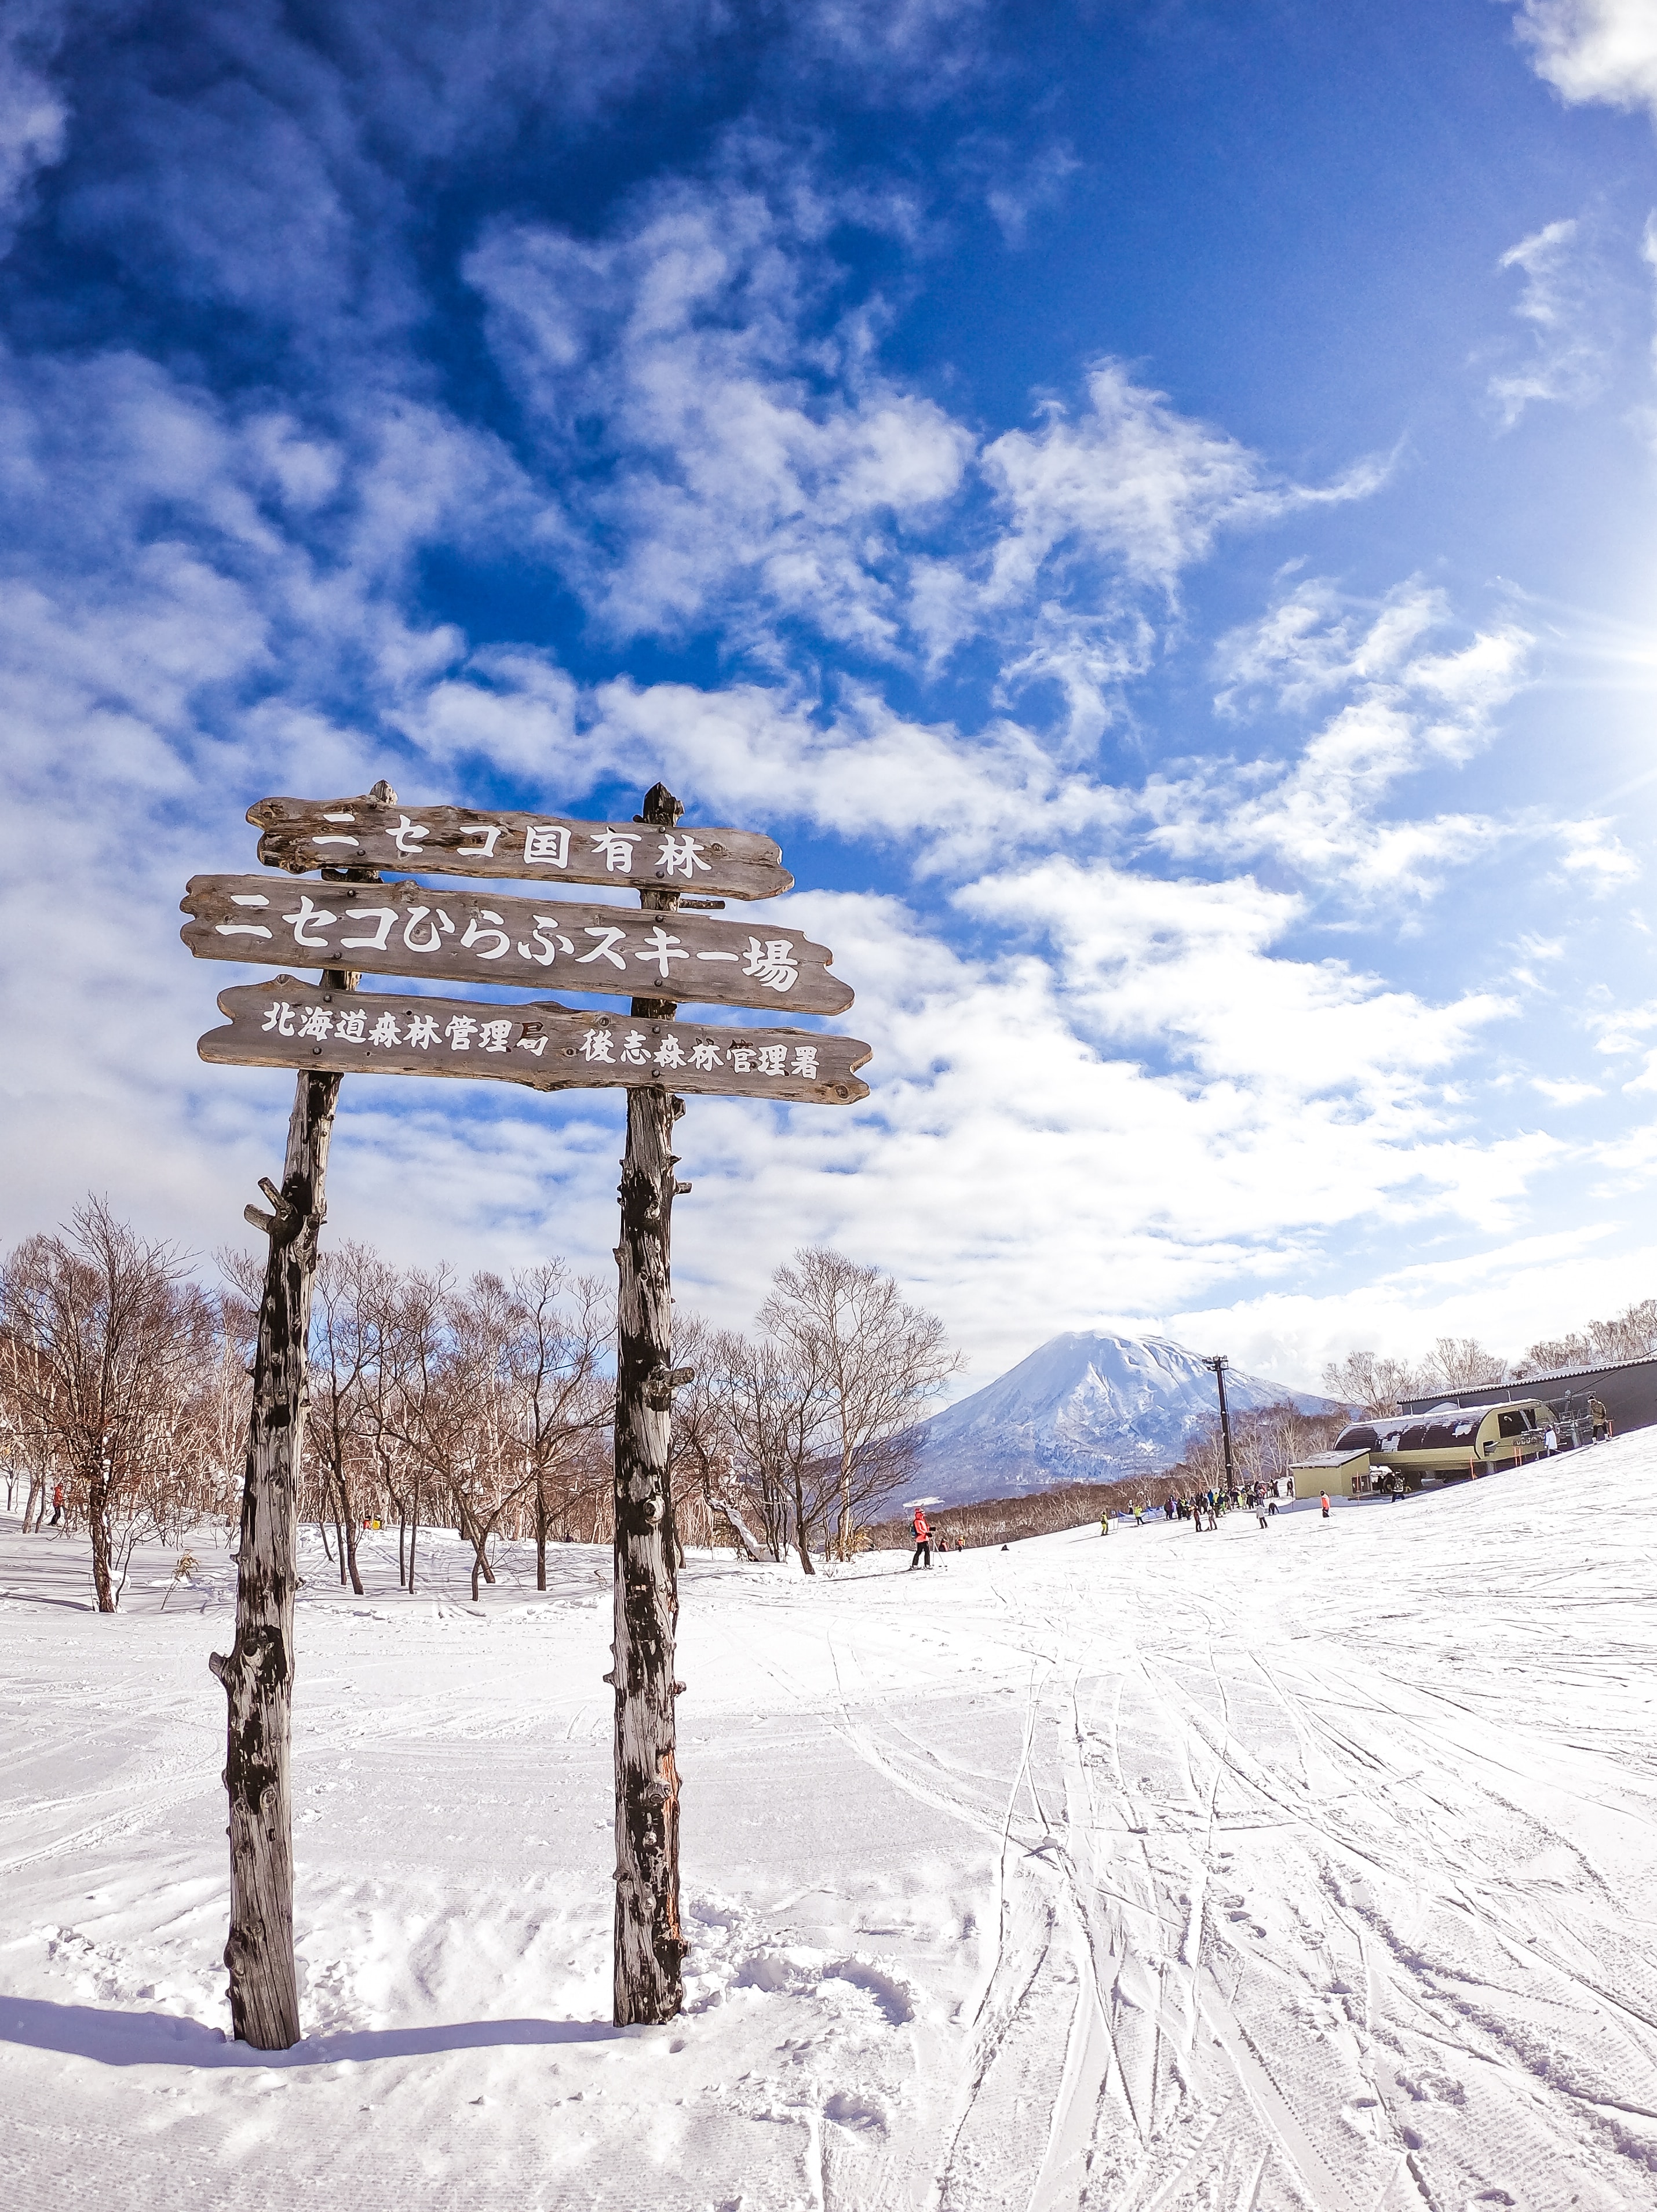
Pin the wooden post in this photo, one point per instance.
(258, 1673)
(649, 1982)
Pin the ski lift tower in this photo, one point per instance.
(1218, 1363)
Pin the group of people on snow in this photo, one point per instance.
(1203, 1508)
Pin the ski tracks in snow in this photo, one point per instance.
(1279, 1921)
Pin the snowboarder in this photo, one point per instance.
(1104, 1524)
(923, 1544)
(1324, 1503)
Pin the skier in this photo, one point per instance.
(1324, 1503)
(923, 1544)
(1104, 1524)
(57, 1505)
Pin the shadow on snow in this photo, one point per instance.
(157, 2038)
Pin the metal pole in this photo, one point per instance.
(1219, 1364)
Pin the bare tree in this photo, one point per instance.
(701, 1459)
(559, 1331)
(1372, 1385)
(26, 1396)
(776, 1401)
(119, 1339)
(1265, 1441)
(1461, 1363)
(352, 1295)
(877, 1360)
(1631, 1334)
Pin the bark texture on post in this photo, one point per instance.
(258, 1673)
(649, 1976)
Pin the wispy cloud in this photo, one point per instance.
(1329, 811)
(1567, 361)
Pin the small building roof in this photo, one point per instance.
(1329, 1459)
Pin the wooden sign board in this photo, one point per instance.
(547, 1047)
(467, 937)
(301, 833)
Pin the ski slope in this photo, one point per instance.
(1308, 1869)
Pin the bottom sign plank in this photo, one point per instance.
(545, 1045)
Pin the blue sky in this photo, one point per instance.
(1151, 504)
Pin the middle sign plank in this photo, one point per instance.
(284, 1024)
(467, 937)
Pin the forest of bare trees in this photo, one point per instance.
(479, 1407)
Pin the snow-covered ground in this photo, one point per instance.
(1315, 1867)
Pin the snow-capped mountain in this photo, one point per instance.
(1085, 1408)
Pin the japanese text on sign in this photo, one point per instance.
(468, 1033)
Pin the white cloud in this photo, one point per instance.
(723, 450)
(1593, 853)
(1409, 707)
(1565, 1094)
(1593, 50)
(1132, 482)
(1086, 1074)
(731, 453)
(1566, 362)
(1508, 1294)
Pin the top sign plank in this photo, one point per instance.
(301, 833)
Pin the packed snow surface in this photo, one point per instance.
(1086, 1406)
(1309, 1868)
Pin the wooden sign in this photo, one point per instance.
(301, 833)
(547, 1047)
(404, 929)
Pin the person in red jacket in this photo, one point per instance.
(922, 1543)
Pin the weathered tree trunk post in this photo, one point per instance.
(649, 1980)
(258, 1673)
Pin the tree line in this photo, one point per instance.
(1375, 1384)
(481, 1405)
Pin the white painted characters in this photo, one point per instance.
(681, 856)
(600, 1046)
(617, 847)
(662, 948)
(769, 961)
(772, 963)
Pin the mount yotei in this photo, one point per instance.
(1085, 1408)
